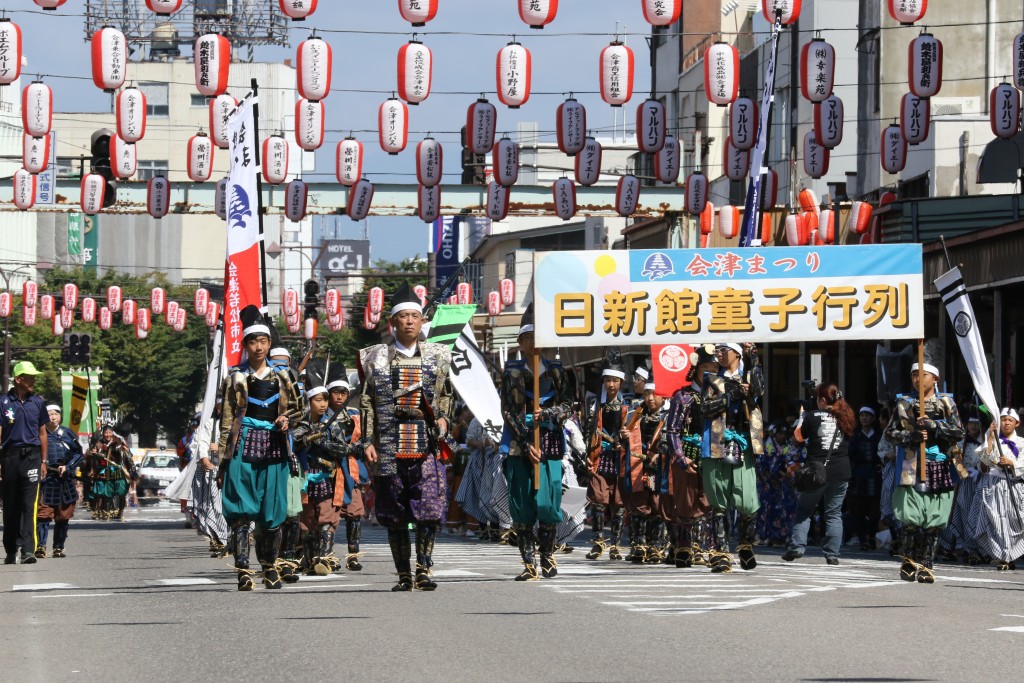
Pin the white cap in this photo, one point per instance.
(927, 367)
(1009, 412)
(735, 347)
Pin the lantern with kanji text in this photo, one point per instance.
(666, 160)
(571, 126)
(200, 157)
(662, 12)
(24, 189)
(296, 196)
(46, 306)
(109, 58)
(157, 300)
(37, 109)
(212, 57)
(220, 107)
(274, 159)
(925, 65)
(428, 203)
(696, 193)
(130, 113)
(429, 162)
(627, 195)
(122, 158)
(817, 70)
(106, 318)
(907, 11)
(588, 163)
(10, 59)
(505, 158)
(92, 188)
(563, 191)
(497, 201)
(417, 12)
(297, 10)
(514, 71)
(415, 72)
(309, 124)
(360, 198)
(393, 125)
(736, 162)
(721, 73)
(481, 121)
(894, 150)
(617, 67)
(349, 161)
(313, 64)
(816, 157)
(158, 197)
(35, 153)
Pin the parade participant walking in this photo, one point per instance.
(607, 418)
(291, 534)
(958, 538)
(474, 494)
(923, 499)
(732, 439)
(111, 471)
(685, 429)
(534, 475)
(864, 494)
(641, 465)
(997, 517)
(782, 455)
(23, 440)
(206, 496)
(827, 433)
(59, 495)
(256, 459)
(344, 435)
(404, 408)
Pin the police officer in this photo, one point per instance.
(23, 419)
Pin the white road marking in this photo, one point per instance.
(454, 572)
(181, 582)
(1011, 629)
(71, 595)
(42, 587)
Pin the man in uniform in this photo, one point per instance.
(345, 432)
(59, 495)
(405, 404)
(733, 437)
(922, 501)
(641, 438)
(531, 501)
(608, 416)
(279, 357)
(258, 407)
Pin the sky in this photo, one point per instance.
(564, 55)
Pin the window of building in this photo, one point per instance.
(200, 100)
(145, 170)
(156, 98)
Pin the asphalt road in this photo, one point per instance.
(142, 600)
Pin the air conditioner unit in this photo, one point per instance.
(955, 106)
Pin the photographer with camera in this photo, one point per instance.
(826, 472)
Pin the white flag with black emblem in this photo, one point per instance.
(961, 313)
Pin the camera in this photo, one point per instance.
(809, 387)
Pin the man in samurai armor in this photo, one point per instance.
(112, 470)
(404, 408)
(534, 475)
(685, 430)
(922, 501)
(260, 403)
(607, 418)
(59, 495)
(642, 441)
(353, 476)
(733, 437)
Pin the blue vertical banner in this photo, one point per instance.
(445, 242)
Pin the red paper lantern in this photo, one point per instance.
(109, 58)
(275, 160)
(212, 56)
(200, 300)
(915, 118)
(743, 123)
(894, 150)
(92, 189)
(35, 153)
(122, 158)
(571, 124)
(50, 4)
(497, 201)
(29, 293)
(418, 12)
(706, 221)
(157, 300)
(349, 161)
(826, 228)
(313, 64)
(297, 10)
(114, 298)
(907, 11)
(627, 195)
(421, 292)
(816, 157)
(290, 303)
(375, 300)
(538, 13)
(24, 189)
(514, 71)
(505, 160)
(464, 292)
(817, 70)
(200, 158)
(729, 221)
(180, 321)
(220, 199)
(360, 197)
(428, 203)
(171, 312)
(1004, 110)
(789, 9)
(769, 190)
(309, 124)
(212, 314)
(481, 120)
(617, 70)
(828, 122)
(666, 160)
(158, 198)
(6, 304)
(493, 304)
(650, 126)
(106, 318)
(166, 7)
(508, 291)
(28, 316)
(588, 163)
(332, 301)
(925, 65)
(46, 307)
(393, 126)
(70, 295)
(721, 73)
(860, 217)
(415, 72)
(662, 12)
(296, 199)
(143, 323)
(220, 107)
(564, 193)
(808, 200)
(10, 59)
(736, 162)
(37, 109)
(429, 162)
(696, 193)
(128, 310)
(130, 111)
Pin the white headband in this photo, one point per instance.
(642, 372)
(54, 406)
(405, 306)
(927, 367)
(614, 373)
(735, 347)
(1009, 412)
(280, 351)
(339, 384)
(258, 328)
(649, 386)
(525, 329)
(867, 409)
(315, 391)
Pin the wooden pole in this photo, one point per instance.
(922, 475)
(536, 409)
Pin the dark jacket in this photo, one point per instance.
(818, 429)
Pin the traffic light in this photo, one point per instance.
(74, 345)
(84, 348)
(65, 349)
(99, 148)
(76, 349)
(312, 291)
(472, 164)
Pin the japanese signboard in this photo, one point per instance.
(684, 296)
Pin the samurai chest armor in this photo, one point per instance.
(264, 395)
(692, 426)
(407, 380)
(648, 426)
(610, 423)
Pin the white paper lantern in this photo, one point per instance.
(122, 158)
(332, 301)
(743, 123)
(24, 189)
(729, 221)
(860, 217)
(28, 316)
(6, 304)
(37, 109)
(828, 122)
(588, 163)
(171, 312)
(114, 298)
(571, 124)
(29, 293)
(415, 72)
(296, 198)
(429, 162)
(696, 193)
(157, 300)
(375, 300)
(313, 64)
(297, 10)
(481, 121)
(109, 58)
(1017, 60)
(563, 191)
(617, 67)
(493, 304)
(907, 11)
(360, 197)
(627, 195)
(826, 232)
(92, 190)
(816, 157)
(505, 161)
(514, 74)
(274, 159)
(70, 295)
(220, 199)
(497, 201)
(58, 325)
(294, 323)
(290, 303)
(507, 287)
(128, 310)
(817, 70)
(1004, 110)
(200, 300)
(49, 4)
(894, 150)
(88, 309)
(667, 160)
(662, 12)
(212, 57)
(735, 162)
(220, 107)
(421, 292)
(789, 9)
(106, 318)
(393, 126)
(925, 65)
(180, 321)
(10, 59)
(428, 203)
(915, 119)
(167, 7)
(349, 161)
(143, 323)
(417, 12)
(650, 126)
(464, 292)
(309, 124)
(130, 110)
(35, 153)
(721, 73)
(538, 13)
(794, 231)
(212, 314)
(46, 307)
(200, 158)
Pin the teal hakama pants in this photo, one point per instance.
(527, 506)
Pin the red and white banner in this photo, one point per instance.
(671, 365)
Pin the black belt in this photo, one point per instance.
(21, 450)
